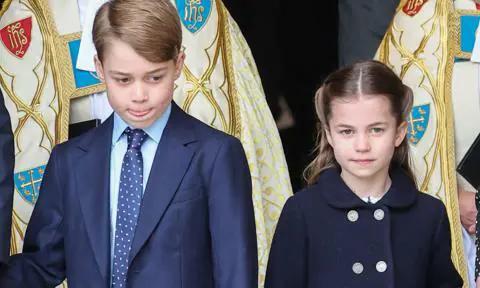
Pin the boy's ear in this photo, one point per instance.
(99, 68)
(401, 133)
(179, 64)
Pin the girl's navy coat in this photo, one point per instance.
(327, 237)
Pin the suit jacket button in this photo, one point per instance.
(357, 268)
(352, 216)
(379, 214)
(381, 266)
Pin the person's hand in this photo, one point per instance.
(468, 210)
(478, 282)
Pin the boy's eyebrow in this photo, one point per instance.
(128, 74)
(157, 70)
(119, 73)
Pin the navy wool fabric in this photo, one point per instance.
(329, 237)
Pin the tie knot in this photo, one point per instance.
(135, 138)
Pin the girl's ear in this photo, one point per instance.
(401, 133)
(328, 135)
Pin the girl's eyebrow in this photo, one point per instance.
(380, 123)
(341, 125)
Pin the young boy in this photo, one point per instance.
(152, 197)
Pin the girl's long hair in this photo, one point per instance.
(362, 78)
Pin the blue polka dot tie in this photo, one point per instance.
(129, 199)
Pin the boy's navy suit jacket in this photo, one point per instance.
(196, 226)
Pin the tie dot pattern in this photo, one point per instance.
(129, 200)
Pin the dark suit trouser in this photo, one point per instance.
(7, 160)
(362, 25)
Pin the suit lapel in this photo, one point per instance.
(93, 179)
(171, 161)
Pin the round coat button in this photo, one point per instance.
(379, 214)
(352, 216)
(381, 266)
(357, 268)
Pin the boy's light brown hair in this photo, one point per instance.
(151, 27)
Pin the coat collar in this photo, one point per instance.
(92, 177)
(402, 192)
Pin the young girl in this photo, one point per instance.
(362, 222)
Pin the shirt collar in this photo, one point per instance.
(372, 199)
(154, 131)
